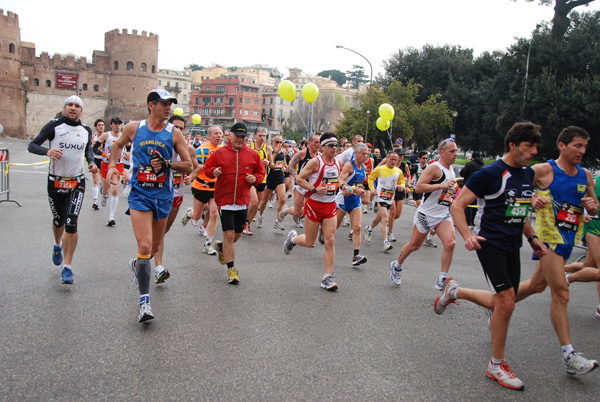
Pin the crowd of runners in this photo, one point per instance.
(328, 182)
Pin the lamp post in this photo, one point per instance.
(369, 90)
(527, 68)
(454, 116)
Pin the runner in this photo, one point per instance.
(161, 274)
(153, 143)
(237, 169)
(99, 126)
(437, 184)
(264, 151)
(389, 180)
(503, 191)
(348, 202)
(203, 189)
(398, 204)
(320, 177)
(69, 141)
(275, 181)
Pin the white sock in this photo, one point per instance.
(209, 240)
(114, 200)
(95, 193)
(567, 350)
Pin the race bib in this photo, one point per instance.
(278, 165)
(176, 180)
(148, 179)
(386, 194)
(66, 183)
(516, 214)
(568, 217)
(331, 185)
(446, 198)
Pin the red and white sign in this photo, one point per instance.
(66, 80)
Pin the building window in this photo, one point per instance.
(245, 113)
(48, 83)
(116, 65)
(153, 69)
(241, 100)
(143, 67)
(129, 66)
(237, 89)
(206, 100)
(11, 48)
(256, 101)
(271, 101)
(218, 112)
(220, 89)
(255, 113)
(195, 110)
(85, 87)
(219, 101)
(159, 82)
(247, 101)
(240, 112)
(168, 83)
(206, 112)
(207, 89)
(231, 101)
(184, 97)
(96, 88)
(36, 82)
(185, 85)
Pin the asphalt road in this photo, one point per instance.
(275, 336)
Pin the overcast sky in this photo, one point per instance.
(278, 33)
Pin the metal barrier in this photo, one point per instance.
(4, 176)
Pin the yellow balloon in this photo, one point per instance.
(178, 111)
(196, 119)
(386, 111)
(310, 92)
(287, 90)
(382, 124)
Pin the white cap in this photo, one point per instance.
(74, 99)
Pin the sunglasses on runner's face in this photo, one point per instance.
(331, 145)
(277, 142)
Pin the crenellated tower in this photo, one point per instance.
(12, 87)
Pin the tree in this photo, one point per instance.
(562, 8)
(194, 67)
(320, 114)
(335, 75)
(356, 77)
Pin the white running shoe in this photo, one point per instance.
(259, 221)
(446, 298)
(287, 244)
(395, 274)
(346, 220)
(439, 284)
(368, 233)
(208, 249)
(429, 242)
(133, 268)
(186, 217)
(504, 375)
(145, 309)
(278, 225)
(104, 199)
(202, 230)
(387, 245)
(578, 365)
(391, 237)
(282, 213)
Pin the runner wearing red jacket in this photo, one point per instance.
(237, 168)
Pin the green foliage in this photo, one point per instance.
(356, 77)
(194, 67)
(335, 75)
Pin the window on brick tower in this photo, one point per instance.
(96, 88)
(153, 69)
(48, 83)
(11, 48)
(85, 87)
(129, 66)
(36, 82)
(116, 65)
(143, 67)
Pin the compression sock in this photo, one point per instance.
(143, 274)
(114, 201)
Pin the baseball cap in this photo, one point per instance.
(239, 129)
(74, 99)
(115, 120)
(160, 94)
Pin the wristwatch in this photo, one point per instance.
(531, 238)
(314, 190)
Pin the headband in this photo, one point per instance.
(328, 140)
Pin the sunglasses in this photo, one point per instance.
(331, 145)
(446, 141)
(277, 142)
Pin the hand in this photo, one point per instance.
(539, 248)
(359, 191)
(158, 162)
(265, 162)
(399, 188)
(472, 242)
(250, 178)
(322, 189)
(217, 172)
(93, 168)
(588, 203)
(540, 202)
(187, 180)
(55, 154)
(448, 184)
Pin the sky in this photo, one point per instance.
(279, 33)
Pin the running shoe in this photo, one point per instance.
(598, 311)
(328, 283)
(364, 209)
(350, 236)
(446, 298)
(208, 249)
(391, 237)
(57, 256)
(186, 217)
(133, 267)
(346, 220)
(375, 208)
(219, 248)
(247, 231)
(95, 206)
(287, 244)
(368, 233)
(578, 365)
(358, 259)
(321, 238)
(111, 222)
(387, 245)
(161, 274)
(282, 214)
(259, 222)
(504, 375)
(104, 199)
(395, 273)
(298, 222)
(439, 284)
(278, 225)
(145, 309)
(202, 230)
(429, 242)
(270, 204)
(232, 274)
(67, 276)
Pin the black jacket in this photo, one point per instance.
(471, 167)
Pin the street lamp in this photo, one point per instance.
(527, 68)
(454, 116)
(369, 91)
